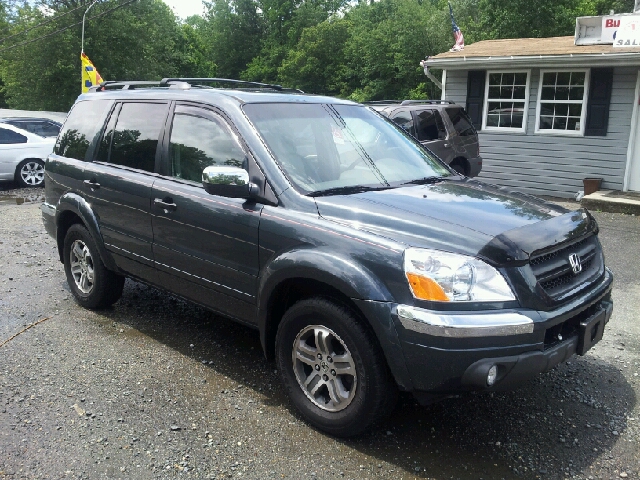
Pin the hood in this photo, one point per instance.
(458, 215)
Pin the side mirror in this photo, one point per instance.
(231, 182)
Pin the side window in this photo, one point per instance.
(405, 120)
(430, 126)
(83, 124)
(135, 137)
(461, 122)
(8, 137)
(198, 142)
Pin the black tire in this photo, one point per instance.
(372, 393)
(102, 287)
(30, 173)
(459, 167)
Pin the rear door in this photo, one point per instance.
(205, 246)
(118, 183)
(432, 133)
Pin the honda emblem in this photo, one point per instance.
(576, 264)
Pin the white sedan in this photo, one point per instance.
(22, 155)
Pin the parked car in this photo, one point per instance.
(441, 126)
(43, 127)
(366, 264)
(22, 156)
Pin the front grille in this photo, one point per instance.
(553, 270)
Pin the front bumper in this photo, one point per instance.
(49, 218)
(447, 353)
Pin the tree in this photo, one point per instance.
(387, 41)
(315, 64)
(140, 41)
(233, 31)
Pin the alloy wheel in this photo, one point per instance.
(81, 263)
(324, 368)
(32, 173)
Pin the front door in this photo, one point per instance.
(205, 246)
(118, 183)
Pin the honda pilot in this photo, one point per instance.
(367, 265)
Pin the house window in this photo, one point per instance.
(506, 101)
(562, 102)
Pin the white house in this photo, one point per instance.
(551, 111)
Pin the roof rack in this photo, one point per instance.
(166, 81)
(440, 102)
(408, 102)
(381, 102)
(183, 83)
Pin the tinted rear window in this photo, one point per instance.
(83, 124)
(461, 122)
(135, 138)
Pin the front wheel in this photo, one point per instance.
(30, 173)
(332, 368)
(91, 283)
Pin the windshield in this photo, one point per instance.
(323, 147)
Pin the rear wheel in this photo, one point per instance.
(459, 166)
(333, 368)
(91, 283)
(30, 173)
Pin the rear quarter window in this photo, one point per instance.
(83, 124)
(461, 122)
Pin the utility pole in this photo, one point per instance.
(96, 1)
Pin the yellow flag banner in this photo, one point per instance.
(90, 76)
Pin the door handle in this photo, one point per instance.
(447, 145)
(92, 184)
(166, 204)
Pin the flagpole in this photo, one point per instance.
(83, 19)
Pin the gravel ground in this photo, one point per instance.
(157, 388)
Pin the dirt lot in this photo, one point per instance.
(157, 388)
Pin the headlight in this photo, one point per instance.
(450, 277)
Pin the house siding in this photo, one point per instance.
(555, 165)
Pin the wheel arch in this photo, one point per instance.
(73, 209)
(297, 277)
(460, 160)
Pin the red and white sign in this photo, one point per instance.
(610, 27)
(628, 34)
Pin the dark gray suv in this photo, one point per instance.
(367, 265)
(441, 126)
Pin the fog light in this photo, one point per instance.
(492, 375)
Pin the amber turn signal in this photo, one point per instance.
(425, 288)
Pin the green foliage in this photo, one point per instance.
(142, 41)
(365, 50)
(316, 63)
(386, 42)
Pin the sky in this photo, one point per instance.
(185, 8)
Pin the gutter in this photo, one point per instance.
(613, 59)
(430, 75)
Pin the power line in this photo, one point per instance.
(41, 24)
(67, 27)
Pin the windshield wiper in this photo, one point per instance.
(424, 181)
(346, 190)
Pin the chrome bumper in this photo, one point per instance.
(439, 324)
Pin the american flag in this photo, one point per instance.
(457, 34)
